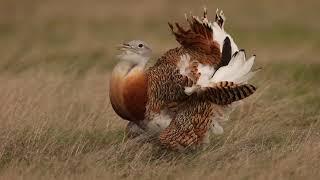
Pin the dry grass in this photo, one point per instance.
(56, 121)
(59, 126)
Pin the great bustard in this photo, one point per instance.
(190, 87)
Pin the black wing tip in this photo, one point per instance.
(253, 87)
(235, 54)
(227, 39)
(243, 51)
(226, 52)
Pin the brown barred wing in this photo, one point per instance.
(225, 92)
(165, 86)
(178, 135)
(190, 126)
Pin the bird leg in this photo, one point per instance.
(133, 130)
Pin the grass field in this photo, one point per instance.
(56, 121)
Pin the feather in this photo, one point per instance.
(201, 30)
(193, 88)
(238, 70)
(226, 53)
(248, 76)
(216, 129)
(224, 92)
(219, 34)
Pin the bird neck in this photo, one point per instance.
(125, 66)
(133, 59)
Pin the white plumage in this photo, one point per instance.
(219, 34)
(238, 70)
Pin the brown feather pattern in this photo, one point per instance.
(193, 115)
(199, 37)
(224, 93)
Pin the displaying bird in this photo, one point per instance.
(197, 82)
(188, 90)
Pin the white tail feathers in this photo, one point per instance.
(219, 34)
(238, 70)
(247, 77)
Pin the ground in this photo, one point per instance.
(56, 121)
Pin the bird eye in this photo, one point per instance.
(140, 45)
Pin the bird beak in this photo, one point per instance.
(123, 46)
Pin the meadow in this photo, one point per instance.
(56, 121)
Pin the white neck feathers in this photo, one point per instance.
(134, 58)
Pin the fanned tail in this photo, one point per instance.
(238, 70)
(232, 66)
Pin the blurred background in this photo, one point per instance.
(56, 121)
(73, 36)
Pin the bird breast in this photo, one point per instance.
(128, 93)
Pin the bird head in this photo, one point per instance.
(135, 51)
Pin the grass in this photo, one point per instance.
(56, 121)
